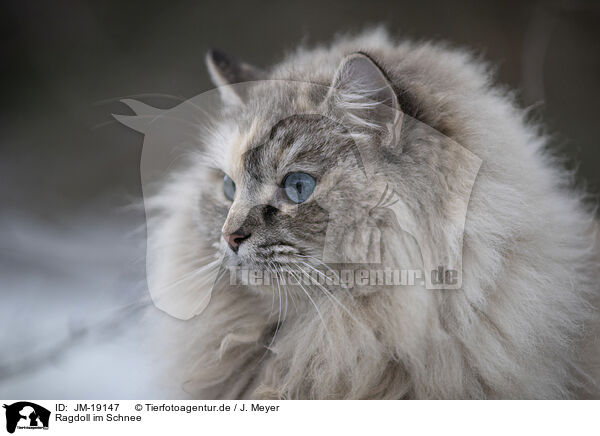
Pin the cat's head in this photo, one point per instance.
(289, 175)
(297, 162)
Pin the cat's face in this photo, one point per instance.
(278, 198)
(291, 176)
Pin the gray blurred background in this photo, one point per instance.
(66, 63)
(67, 169)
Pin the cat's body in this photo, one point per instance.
(522, 325)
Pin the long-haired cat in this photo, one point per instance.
(279, 164)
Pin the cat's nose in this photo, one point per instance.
(235, 239)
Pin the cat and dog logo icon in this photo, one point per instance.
(26, 415)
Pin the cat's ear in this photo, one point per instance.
(362, 92)
(227, 70)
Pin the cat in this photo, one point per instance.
(279, 165)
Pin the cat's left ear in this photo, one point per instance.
(363, 94)
(227, 70)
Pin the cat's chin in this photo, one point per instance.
(269, 261)
(260, 266)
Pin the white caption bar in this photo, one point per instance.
(298, 417)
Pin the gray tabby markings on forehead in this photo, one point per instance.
(283, 134)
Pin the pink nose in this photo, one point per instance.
(235, 239)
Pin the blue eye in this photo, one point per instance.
(299, 186)
(228, 187)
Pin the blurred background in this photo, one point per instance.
(68, 170)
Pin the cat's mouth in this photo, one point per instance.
(268, 257)
(281, 249)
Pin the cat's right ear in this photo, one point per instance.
(226, 70)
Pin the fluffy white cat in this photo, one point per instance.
(524, 322)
